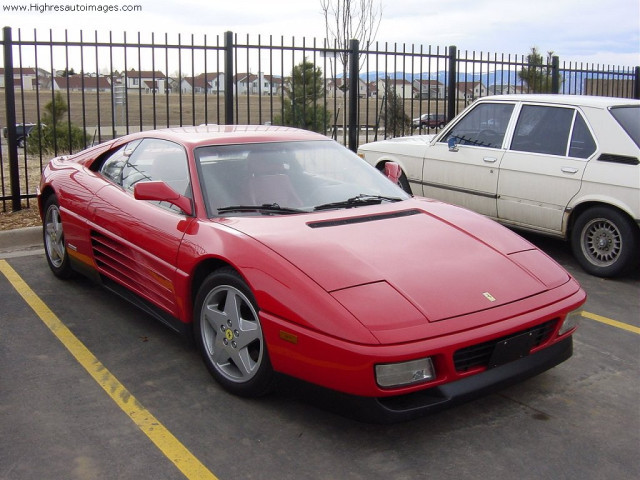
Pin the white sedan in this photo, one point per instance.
(561, 165)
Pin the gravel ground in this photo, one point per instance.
(27, 217)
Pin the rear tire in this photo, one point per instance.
(55, 248)
(605, 242)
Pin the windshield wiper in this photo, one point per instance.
(358, 201)
(266, 208)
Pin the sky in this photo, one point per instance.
(576, 30)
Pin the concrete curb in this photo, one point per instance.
(20, 238)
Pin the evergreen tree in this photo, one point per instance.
(537, 73)
(393, 116)
(302, 106)
(54, 133)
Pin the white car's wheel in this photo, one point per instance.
(605, 242)
(228, 332)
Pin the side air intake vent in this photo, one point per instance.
(368, 218)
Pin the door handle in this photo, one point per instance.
(489, 159)
(570, 170)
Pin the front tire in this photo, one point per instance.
(404, 183)
(605, 242)
(229, 335)
(53, 237)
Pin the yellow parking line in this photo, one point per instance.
(613, 323)
(170, 446)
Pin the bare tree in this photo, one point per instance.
(347, 20)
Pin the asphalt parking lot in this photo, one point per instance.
(91, 388)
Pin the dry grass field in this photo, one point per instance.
(147, 110)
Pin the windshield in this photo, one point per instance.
(629, 119)
(287, 177)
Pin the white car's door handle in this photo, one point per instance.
(489, 159)
(569, 170)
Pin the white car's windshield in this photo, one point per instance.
(288, 177)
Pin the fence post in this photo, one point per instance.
(636, 84)
(354, 80)
(10, 102)
(555, 74)
(228, 74)
(451, 90)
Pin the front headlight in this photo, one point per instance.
(405, 373)
(571, 321)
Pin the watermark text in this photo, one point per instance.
(45, 7)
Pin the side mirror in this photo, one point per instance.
(161, 192)
(453, 145)
(392, 171)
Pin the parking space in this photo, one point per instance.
(578, 420)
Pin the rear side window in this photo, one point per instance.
(553, 131)
(116, 160)
(543, 129)
(582, 143)
(484, 126)
(629, 120)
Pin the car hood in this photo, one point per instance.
(413, 139)
(420, 257)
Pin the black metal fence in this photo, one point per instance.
(103, 87)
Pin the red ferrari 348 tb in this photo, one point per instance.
(280, 250)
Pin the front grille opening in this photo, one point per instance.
(479, 355)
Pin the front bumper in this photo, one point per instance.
(406, 407)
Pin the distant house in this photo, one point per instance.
(77, 83)
(504, 89)
(428, 89)
(27, 78)
(336, 87)
(204, 83)
(145, 81)
(260, 84)
(470, 90)
(401, 87)
(372, 89)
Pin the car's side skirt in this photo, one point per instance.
(147, 307)
(92, 274)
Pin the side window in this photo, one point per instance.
(157, 159)
(484, 126)
(543, 129)
(582, 143)
(113, 165)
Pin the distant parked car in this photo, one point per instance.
(561, 165)
(22, 132)
(429, 120)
